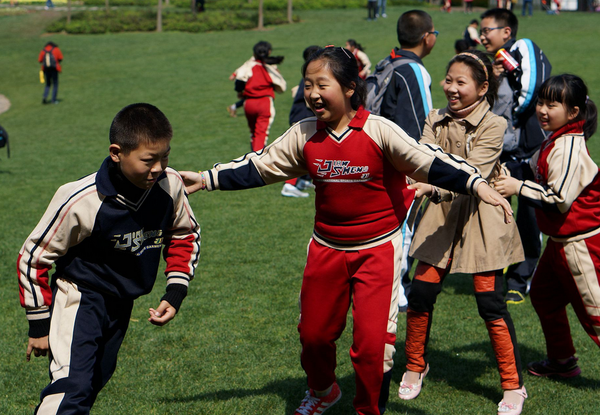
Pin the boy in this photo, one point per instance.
(517, 97)
(407, 100)
(104, 233)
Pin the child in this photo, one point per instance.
(517, 92)
(364, 64)
(50, 57)
(451, 236)
(564, 186)
(104, 233)
(358, 163)
(257, 80)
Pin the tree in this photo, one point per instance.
(159, 17)
(69, 12)
(289, 11)
(106, 6)
(194, 10)
(261, 25)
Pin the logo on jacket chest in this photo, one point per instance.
(138, 241)
(338, 168)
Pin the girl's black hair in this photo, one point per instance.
(355, 44)
(344, 68)
(477, 70)
(262, 52)
(54, 45)
(572, 92)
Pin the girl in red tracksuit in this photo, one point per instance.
(257, 80)
(50, 57)
(565, 189)
(358, 162)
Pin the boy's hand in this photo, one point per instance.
(422, 189)
(39, 347)
(163, 314)
(507, 186)
(492, 197)
(498, 68)
(192, 181)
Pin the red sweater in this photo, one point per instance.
(57, 55)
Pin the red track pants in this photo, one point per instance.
(260, 114)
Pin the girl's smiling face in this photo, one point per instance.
(329, 100)
(552, 115)
(460, 88)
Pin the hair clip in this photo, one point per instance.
(471, 55)
(329, 46)
(587, 98)
(344, 50)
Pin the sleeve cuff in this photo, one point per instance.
(175, 295)
(39, 328)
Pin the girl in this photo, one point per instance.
(358, 163)
(565, 189)
(364, 64)
(256, 81)
(458, 233)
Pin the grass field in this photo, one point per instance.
(234, 347)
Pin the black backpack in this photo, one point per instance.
(49, 59)
(4, 140)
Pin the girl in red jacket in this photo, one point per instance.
(257, 80)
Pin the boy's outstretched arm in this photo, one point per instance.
(39, 347)
(192, 181)
(163, 314)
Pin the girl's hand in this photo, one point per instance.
(507, 186)
(492, 197)
(192, 181)
(422, 189)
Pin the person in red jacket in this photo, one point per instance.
(257, 80)
(50, 58)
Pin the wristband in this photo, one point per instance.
(203, 184)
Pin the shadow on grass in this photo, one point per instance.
(462, 373)
(291, 391)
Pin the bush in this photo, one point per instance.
(94, 22)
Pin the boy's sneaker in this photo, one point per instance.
(292, 191)
(551, 367)
(515, 297)
(232, 110)
(313, 405)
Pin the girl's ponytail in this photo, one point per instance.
(590, 118)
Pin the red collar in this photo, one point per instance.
(570, 128)
(356, 123)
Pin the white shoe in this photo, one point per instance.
(291, 191)
(384, 15)
(305, 184)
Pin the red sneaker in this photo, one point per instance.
(316, 405)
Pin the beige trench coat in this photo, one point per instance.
(461, 226)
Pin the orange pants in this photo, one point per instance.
(426, 286)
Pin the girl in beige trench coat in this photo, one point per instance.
(459, 234)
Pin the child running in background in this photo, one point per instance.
(364, 64)
(564, 186)
(460, 234)
(358, 162)
(257, 80)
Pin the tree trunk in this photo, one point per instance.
(261, 25)
(289, 11)
(194, 10)
(69, 12)
(159, 17)
(106, 6)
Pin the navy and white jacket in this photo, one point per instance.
(407, 99)
(103, 233)
(534, 68)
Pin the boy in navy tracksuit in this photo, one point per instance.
(104, 233)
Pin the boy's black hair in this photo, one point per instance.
(474, 21)
(461, 45)
(344, 68)
(504, 18)
(412, 25)
(309, 51)
(478, 72)
(262, 52)
(571, 91)
(139, 123)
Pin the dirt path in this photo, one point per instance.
(4, 104)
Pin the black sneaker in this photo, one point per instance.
(551, 367)
(515, 297)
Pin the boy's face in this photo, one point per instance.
(493, 35)
(145, 164)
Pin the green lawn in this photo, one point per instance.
(234, 347)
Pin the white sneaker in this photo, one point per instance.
(291, 191)
(384, 15)
(305, 184)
